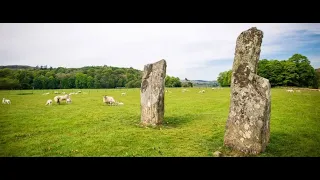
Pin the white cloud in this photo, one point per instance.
(184, 46)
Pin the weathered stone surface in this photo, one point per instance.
(248, 124)
(152, 93)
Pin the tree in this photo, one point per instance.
(37, 83)
(72, 81)
(130, 84)
(90, 82)
(187, 84)
(172, 82)
(97, 82)
(224, 78)
(51, 83)
(272, 70)
(298, 58)
(85, 77)
(305, 71)
(81, 80)
(6, 72)
(7, 83)
(137, 84)
(316, 80)
(62, 80)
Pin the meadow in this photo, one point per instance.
(194, 124)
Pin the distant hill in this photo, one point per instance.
(202, 83)
(318, 70)
(17, 67)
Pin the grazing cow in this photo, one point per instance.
(123, 94)
(290, 90)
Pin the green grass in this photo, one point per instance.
(194, 124)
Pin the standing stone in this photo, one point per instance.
(152, 93)
(248, 124)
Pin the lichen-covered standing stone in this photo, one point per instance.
(248, 124)
(152, 93)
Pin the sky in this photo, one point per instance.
(197, 51)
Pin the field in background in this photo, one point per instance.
(194, 124)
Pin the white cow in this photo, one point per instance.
(123, 94)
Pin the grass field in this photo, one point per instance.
(194, 124)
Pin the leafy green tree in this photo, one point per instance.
(72, 81)
(305, 71)
(81, 80)
(51, 83)
(97, 82)
(187, 84)
(90, 82)
(130, 84)
(172, 81)
(37, 83)
(224, 78)
(7, 83)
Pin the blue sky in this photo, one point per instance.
(192, 50)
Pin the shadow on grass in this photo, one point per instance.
(292, 145)
(170, 121)
(25, 93)
(176, 121)
(281, 144)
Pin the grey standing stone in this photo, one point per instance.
(152, 93)
(248, 124)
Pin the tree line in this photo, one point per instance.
(91, 77)
(68, 78)
(296, 71)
